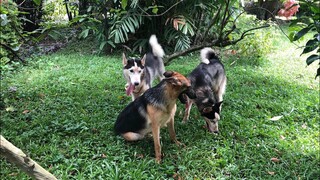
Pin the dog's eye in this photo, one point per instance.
(131, 70)
(140, 71)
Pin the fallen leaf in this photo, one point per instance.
(276, 118)
(176, 176)
(25, 111)
(103, 155)
(275, 159)
(271, 173)
(10, 109)
(304, 126)
(140, 156)
(282, 137)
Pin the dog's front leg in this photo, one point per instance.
(172, 132)
(156, 141)
(187, 110)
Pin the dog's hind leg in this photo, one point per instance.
(131, 136)
(220, 91)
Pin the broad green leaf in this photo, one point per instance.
(312, 58)
(111, 44)
(84, 33)
(301, 33)
(310, 46)
(155, 10)
(124, 4)
(37, 2)
(102, 44)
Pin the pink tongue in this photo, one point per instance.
(130, 89)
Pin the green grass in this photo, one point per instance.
(60, 110)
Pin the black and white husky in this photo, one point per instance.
(208, 80)
(140, 73)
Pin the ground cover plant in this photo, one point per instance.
(61, 108)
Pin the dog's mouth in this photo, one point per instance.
(130, 89)
(211, 126)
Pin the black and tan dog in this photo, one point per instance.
(154, 109)
(208, 80)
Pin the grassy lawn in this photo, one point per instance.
(60, 110)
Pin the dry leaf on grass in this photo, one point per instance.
(271, 172)
(275, 159)
(276, 118)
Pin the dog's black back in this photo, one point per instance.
(133, 117)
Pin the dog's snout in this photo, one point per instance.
(136, 83)
(216, 132)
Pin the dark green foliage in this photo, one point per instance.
(10, 33)
(308, 21)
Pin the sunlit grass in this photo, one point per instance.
(61, 109)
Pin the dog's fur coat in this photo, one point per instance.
(154, 109)
(140, 73)
(208, 80)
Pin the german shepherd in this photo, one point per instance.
(139, 73)
(208, 81)
(154, 109)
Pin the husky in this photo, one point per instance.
(208, 80)
(154, 109)
(140, 73)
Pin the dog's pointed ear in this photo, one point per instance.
(143, 60)
(216, 106)
(168, 74)
(124, 59)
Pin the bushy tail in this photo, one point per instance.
(206, 54)
(156, 47)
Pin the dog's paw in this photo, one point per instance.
(158, 160)
(178, 143)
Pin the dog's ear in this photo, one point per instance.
(143, 60)
(124, 59)
(216, 107)
(190, 93)
(168, 74)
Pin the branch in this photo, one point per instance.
(244, 34)
(149, 15)
(17, 157)
(169, 58)
(216, 42)
(12, 51)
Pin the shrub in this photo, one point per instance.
(10, 33)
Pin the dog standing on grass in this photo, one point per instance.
(140, 73)
(154, 109)
(208, 80)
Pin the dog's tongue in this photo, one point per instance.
(130, 89)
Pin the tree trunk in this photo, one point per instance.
(17, 157)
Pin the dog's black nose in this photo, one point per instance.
(136, 83)
(216, 132)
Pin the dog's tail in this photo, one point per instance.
(156, 47)
(206, 54)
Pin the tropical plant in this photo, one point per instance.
(308, 21)
(10, 33)
(182, 26)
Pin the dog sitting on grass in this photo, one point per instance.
(154, 109)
